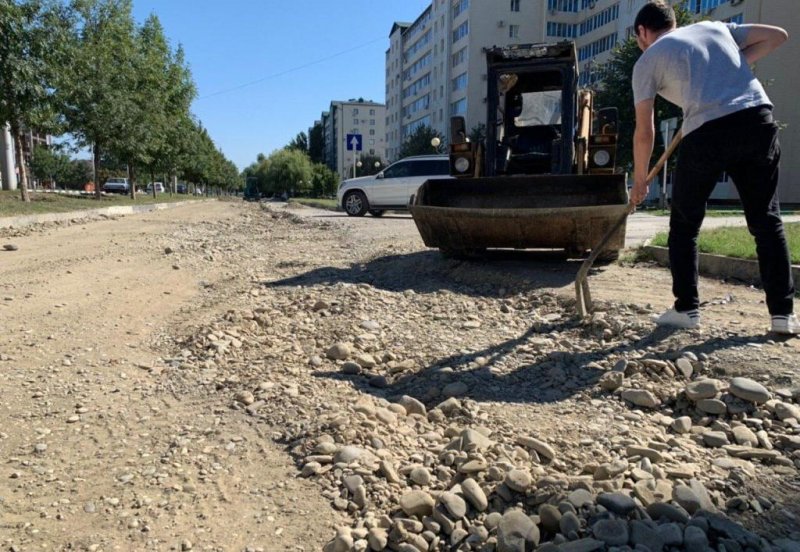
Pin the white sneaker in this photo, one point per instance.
(786, 324)
(687, 320)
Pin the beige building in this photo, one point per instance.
(436, 68)
(361, 117)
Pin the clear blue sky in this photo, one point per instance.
(233, 43)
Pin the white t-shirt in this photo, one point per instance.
(701, 69)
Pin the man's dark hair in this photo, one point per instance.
(655, 16)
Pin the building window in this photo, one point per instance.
(460, 82)
(355, 121)
(738, 19)
(461, 31)
(598, 20)
(372, 112)
(459, 107)
(597, 47)
(703, 6)
(372, 122)
(563, 30)
(460, 57)
(514, 5)
(372, 132)
(460, 7)
(513, 31)
(564, 5)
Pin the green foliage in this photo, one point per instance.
(478, 134)
(616, 91)
(316, 143)
(368, 167)
(736, 241)
(50, 164)
(419, 142)
(324, 181)
(287, 171)
(299, 142)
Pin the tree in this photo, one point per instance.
(615, 91)
(31, 53)
(478, 134)
(299, 142)
(324, 181)
(51, 164)
(96, 91)
(368, 167)
(288, 171)
(316, 143)
(419, 142)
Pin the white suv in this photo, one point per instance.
(391, 188)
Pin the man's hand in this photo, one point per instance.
(639, 191)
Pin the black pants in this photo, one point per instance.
(745, 145)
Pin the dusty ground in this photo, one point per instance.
(126, 346)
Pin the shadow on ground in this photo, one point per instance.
(429, 271)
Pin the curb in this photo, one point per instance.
(720, 266)
(116, 210)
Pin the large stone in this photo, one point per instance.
(338, 351)
(687, 499)
(662, 510)
(518, 480)
(417, 503)
(640, 397)
(617, 503)
(582, 545)
(455, 505)
(580, 498)
(682, 425)
(671, 534)
(712, 406)
(550, 517)
(715, 439)
(470, 440)
(570, 525)
(743, 435)
(348, 454)
(611, 381)
(684, 366)
(613, 532)
(651, 491)
(608, 471)
(516, 532)
(474, 494)
(749, 390)
(645, 452)
(412, 405)
(703, 389)
(787, 410)
(541, 448)
(643, 534)
(694, 539)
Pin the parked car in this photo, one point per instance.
(116, 186)
(391, 188)
(158, 186)
(183, 188)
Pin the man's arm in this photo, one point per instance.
(643, 142)
(761, 40)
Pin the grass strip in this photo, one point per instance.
(329, 204)
(736, 242)
(11, 204)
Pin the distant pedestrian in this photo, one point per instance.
(704, 68)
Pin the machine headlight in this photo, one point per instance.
(462, 164)
(601, 158)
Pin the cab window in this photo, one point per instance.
(398, 170)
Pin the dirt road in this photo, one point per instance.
(166, 375)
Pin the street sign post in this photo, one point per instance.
(354, 143)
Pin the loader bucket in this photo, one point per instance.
(571, 212)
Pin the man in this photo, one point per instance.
(704, 68)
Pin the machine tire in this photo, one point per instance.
(355, 204)
(376, 212)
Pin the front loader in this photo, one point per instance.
(545, 178)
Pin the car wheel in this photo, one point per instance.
(376, 212)
(355, 204)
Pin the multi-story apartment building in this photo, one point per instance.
(353, 117)
(436, 68)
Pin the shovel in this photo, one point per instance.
(582, 293)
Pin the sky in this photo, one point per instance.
(265, 70)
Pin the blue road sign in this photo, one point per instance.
(353, 142)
